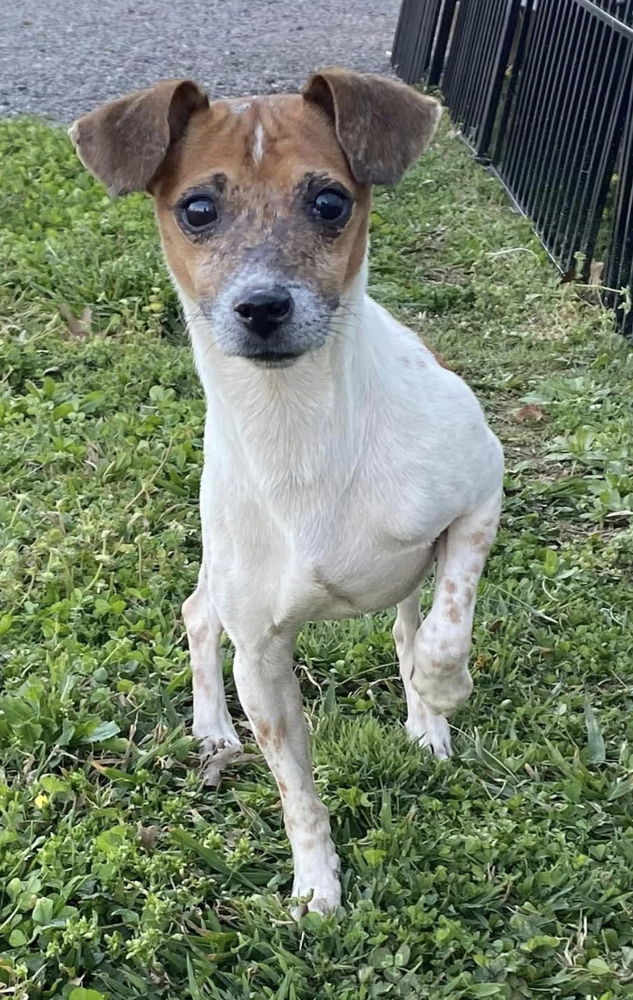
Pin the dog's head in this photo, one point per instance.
(262, 202)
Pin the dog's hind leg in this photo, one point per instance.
(422, 726)
(212, 725)
(442, 643)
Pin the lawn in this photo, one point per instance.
(506, 872)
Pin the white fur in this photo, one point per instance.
(328, 490)
(258, 144)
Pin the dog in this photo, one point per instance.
(341, 459)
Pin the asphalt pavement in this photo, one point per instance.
(60, 59)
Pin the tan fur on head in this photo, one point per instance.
(262, 149)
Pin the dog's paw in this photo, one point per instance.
(317, 890)
(443, 689)
(431, 732)
(217, 751)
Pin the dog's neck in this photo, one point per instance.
(289, 425)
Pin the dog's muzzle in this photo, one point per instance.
(269, 320)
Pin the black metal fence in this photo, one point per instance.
(543, 90)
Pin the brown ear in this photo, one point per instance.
(381, 125)
(124, 142)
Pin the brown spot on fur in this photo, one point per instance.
(480, 540)
(278, 736)
(263, 732)
(450, 586)
(438, 357)
(318, 812)
(453, 612)
(201, 682)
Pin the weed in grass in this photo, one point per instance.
(505, 872)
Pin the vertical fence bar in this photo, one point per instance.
(600, 144)
(566, 145)
(498, 71)
(525, 99)
(415, 46)
(619, 269)
(447, 16)
(476, 66)
(524, 29)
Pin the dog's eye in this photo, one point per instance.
(331, 205)
(199, 212)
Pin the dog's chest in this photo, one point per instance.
(373, 548)
(360, 577)
(328, 558)
(323, 510)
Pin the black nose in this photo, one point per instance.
(264, 309)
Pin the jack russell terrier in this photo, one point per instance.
(341, 459)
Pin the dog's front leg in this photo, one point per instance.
(219, 743)
(270, 695)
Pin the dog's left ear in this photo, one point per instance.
(125, 142)
(382, 126)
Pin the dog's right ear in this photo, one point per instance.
(125, 142)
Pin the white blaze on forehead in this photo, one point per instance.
(258, 143)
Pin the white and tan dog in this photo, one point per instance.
(341, 460)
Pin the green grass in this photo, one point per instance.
(507, 872)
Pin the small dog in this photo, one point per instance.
(341, 459)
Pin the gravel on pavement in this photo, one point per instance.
(60, 58)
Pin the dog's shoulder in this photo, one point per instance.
(413, 347)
